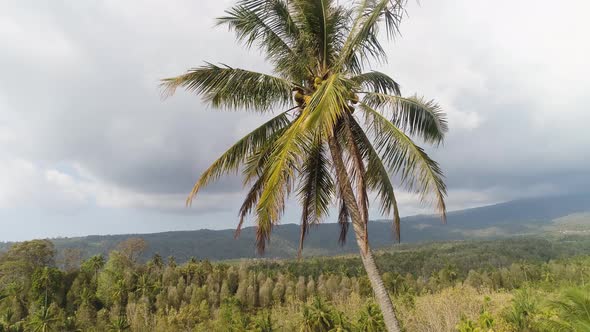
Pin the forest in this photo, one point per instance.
(518, 284)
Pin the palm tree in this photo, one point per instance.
(370, 319)
(317, 316)
(119, 294)
(573, 311)
(341, 323)
(317, 147)
(8, 324)
(120, 324)
(43, 320)
(16, 293)
(97, 262)
(524, 307)
(44, 281)
(263, 322)
(158, 261)
(143, 285)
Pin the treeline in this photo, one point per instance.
(428, 258)
(119, 293)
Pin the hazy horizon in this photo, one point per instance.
(191, 222)
(132, 228)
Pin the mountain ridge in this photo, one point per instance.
(518, 217)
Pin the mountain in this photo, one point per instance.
(529, 216)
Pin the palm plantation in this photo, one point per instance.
(341, 131)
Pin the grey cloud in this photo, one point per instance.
(522, 81)
(104, 110)
(82, 92)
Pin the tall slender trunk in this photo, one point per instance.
(347, 193)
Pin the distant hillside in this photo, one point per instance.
(549, 214)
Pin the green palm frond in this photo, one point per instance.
(269, 25)
(328, 104)
(362, 44)
(417, 170)
(250, 202)
(345, 190)
(317, 22)
(255, 163)
(254, 168)
(413, 115)
(371, 319)
(264, 22)
(279, 176)
(233, 88)
(574, 312)
(231, 160)
(377, 82)
(316, 188)
(378, 177)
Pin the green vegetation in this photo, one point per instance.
(519, 284)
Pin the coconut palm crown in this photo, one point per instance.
(342, 130)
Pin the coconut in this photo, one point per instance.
(299, 98)
(317, 82)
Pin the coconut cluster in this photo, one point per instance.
(302, 99)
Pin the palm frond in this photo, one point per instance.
(393, 16)
(418, 172)
(317, 21)
(575, 309)
(255, 163)
(414, 115)
(269, 24)
(266, 22)
(231, 160)
(346, 193)
(377, 82)
(279, 176)
(316, 189)
(232, 88)
(377, 177)
(363, 43)
(573, 312)
(327, 104)
(255, 167)
(251, 199)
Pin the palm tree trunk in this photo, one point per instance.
(381, 295)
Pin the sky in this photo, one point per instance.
(89, 146)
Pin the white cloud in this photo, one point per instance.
(25, 184)
(34, 37)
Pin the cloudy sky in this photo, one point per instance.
(89, 147)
